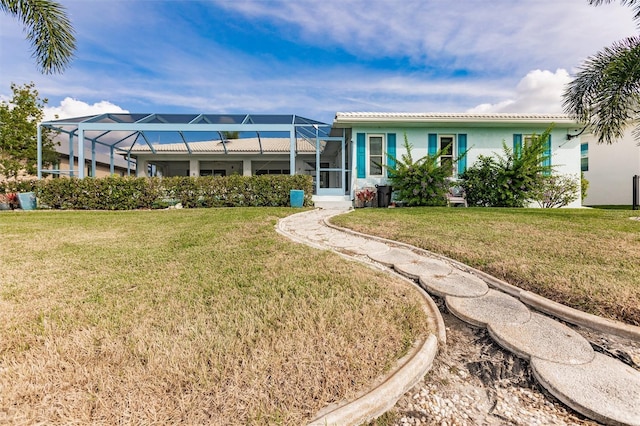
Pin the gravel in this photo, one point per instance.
(475, 382)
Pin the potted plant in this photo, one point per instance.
(8, 201)
(365, 197)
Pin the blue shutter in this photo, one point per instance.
(361, 153)
(391, 151)
(433, 144)
(462, 147)
(547, 155)
(517, 144)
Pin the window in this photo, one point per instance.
(273, 172)
(584, 157)
(445, 145)
(376, 154)
(520, 141)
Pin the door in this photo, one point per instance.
(330, 166)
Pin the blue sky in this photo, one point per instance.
(316, 57)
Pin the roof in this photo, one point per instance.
(461, 119)
(231, 146)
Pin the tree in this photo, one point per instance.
(48, 30)
(605, 93)
(18, 133)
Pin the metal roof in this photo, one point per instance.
(229, 146)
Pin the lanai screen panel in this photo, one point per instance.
(106, 133)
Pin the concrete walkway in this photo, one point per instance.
(562, 361)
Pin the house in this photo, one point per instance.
(64, 167)
(373, 135)
(341, 157)
(610, 169)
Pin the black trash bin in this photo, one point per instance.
(384, 195)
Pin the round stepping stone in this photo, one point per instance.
(544, 338)
(313, 237)
(604, 389)
(344, 241)
(370, 247)
(394, 256)
(456, 284)
(493, 307)
(424, 266)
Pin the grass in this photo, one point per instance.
(186, 316)
(585, 258)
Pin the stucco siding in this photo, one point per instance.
(611, 169)
(486, 141)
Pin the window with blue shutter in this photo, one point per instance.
(517, 144)
(433, 144)
(546, 162)
(361, 155)
(391, 151)
(462, 148)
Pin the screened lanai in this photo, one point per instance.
(205, 144)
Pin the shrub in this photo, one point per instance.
(584, 186)
(126, 193)
(419, 183)
(556, 191)
(507, 180)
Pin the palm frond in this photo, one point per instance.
(605, 92)
(634, 4)
(48, 30)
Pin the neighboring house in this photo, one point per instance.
(342, 157)
(375, 134)
(64, 167)
(610, 169)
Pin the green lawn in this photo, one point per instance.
(191, 316)
(586, 258)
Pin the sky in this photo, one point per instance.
(314, 58)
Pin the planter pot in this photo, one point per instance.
(27, 200)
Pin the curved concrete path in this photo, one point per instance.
(562, 361)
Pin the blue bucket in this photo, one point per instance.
(27, 200)
(296, 197)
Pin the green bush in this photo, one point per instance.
(26, 185)
(584, 186)
(422, 182)
(127, 193)
(507, 180)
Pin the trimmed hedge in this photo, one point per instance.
(127, 193)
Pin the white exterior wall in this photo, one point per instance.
(480, 141)
(611, 169)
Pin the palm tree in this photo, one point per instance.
(48, 30)
(605, 93)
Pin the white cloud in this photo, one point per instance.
(482, 36)
(70, 107)
(540, 91)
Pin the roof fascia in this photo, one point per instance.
(457, 121)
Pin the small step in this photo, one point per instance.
(332, 202)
